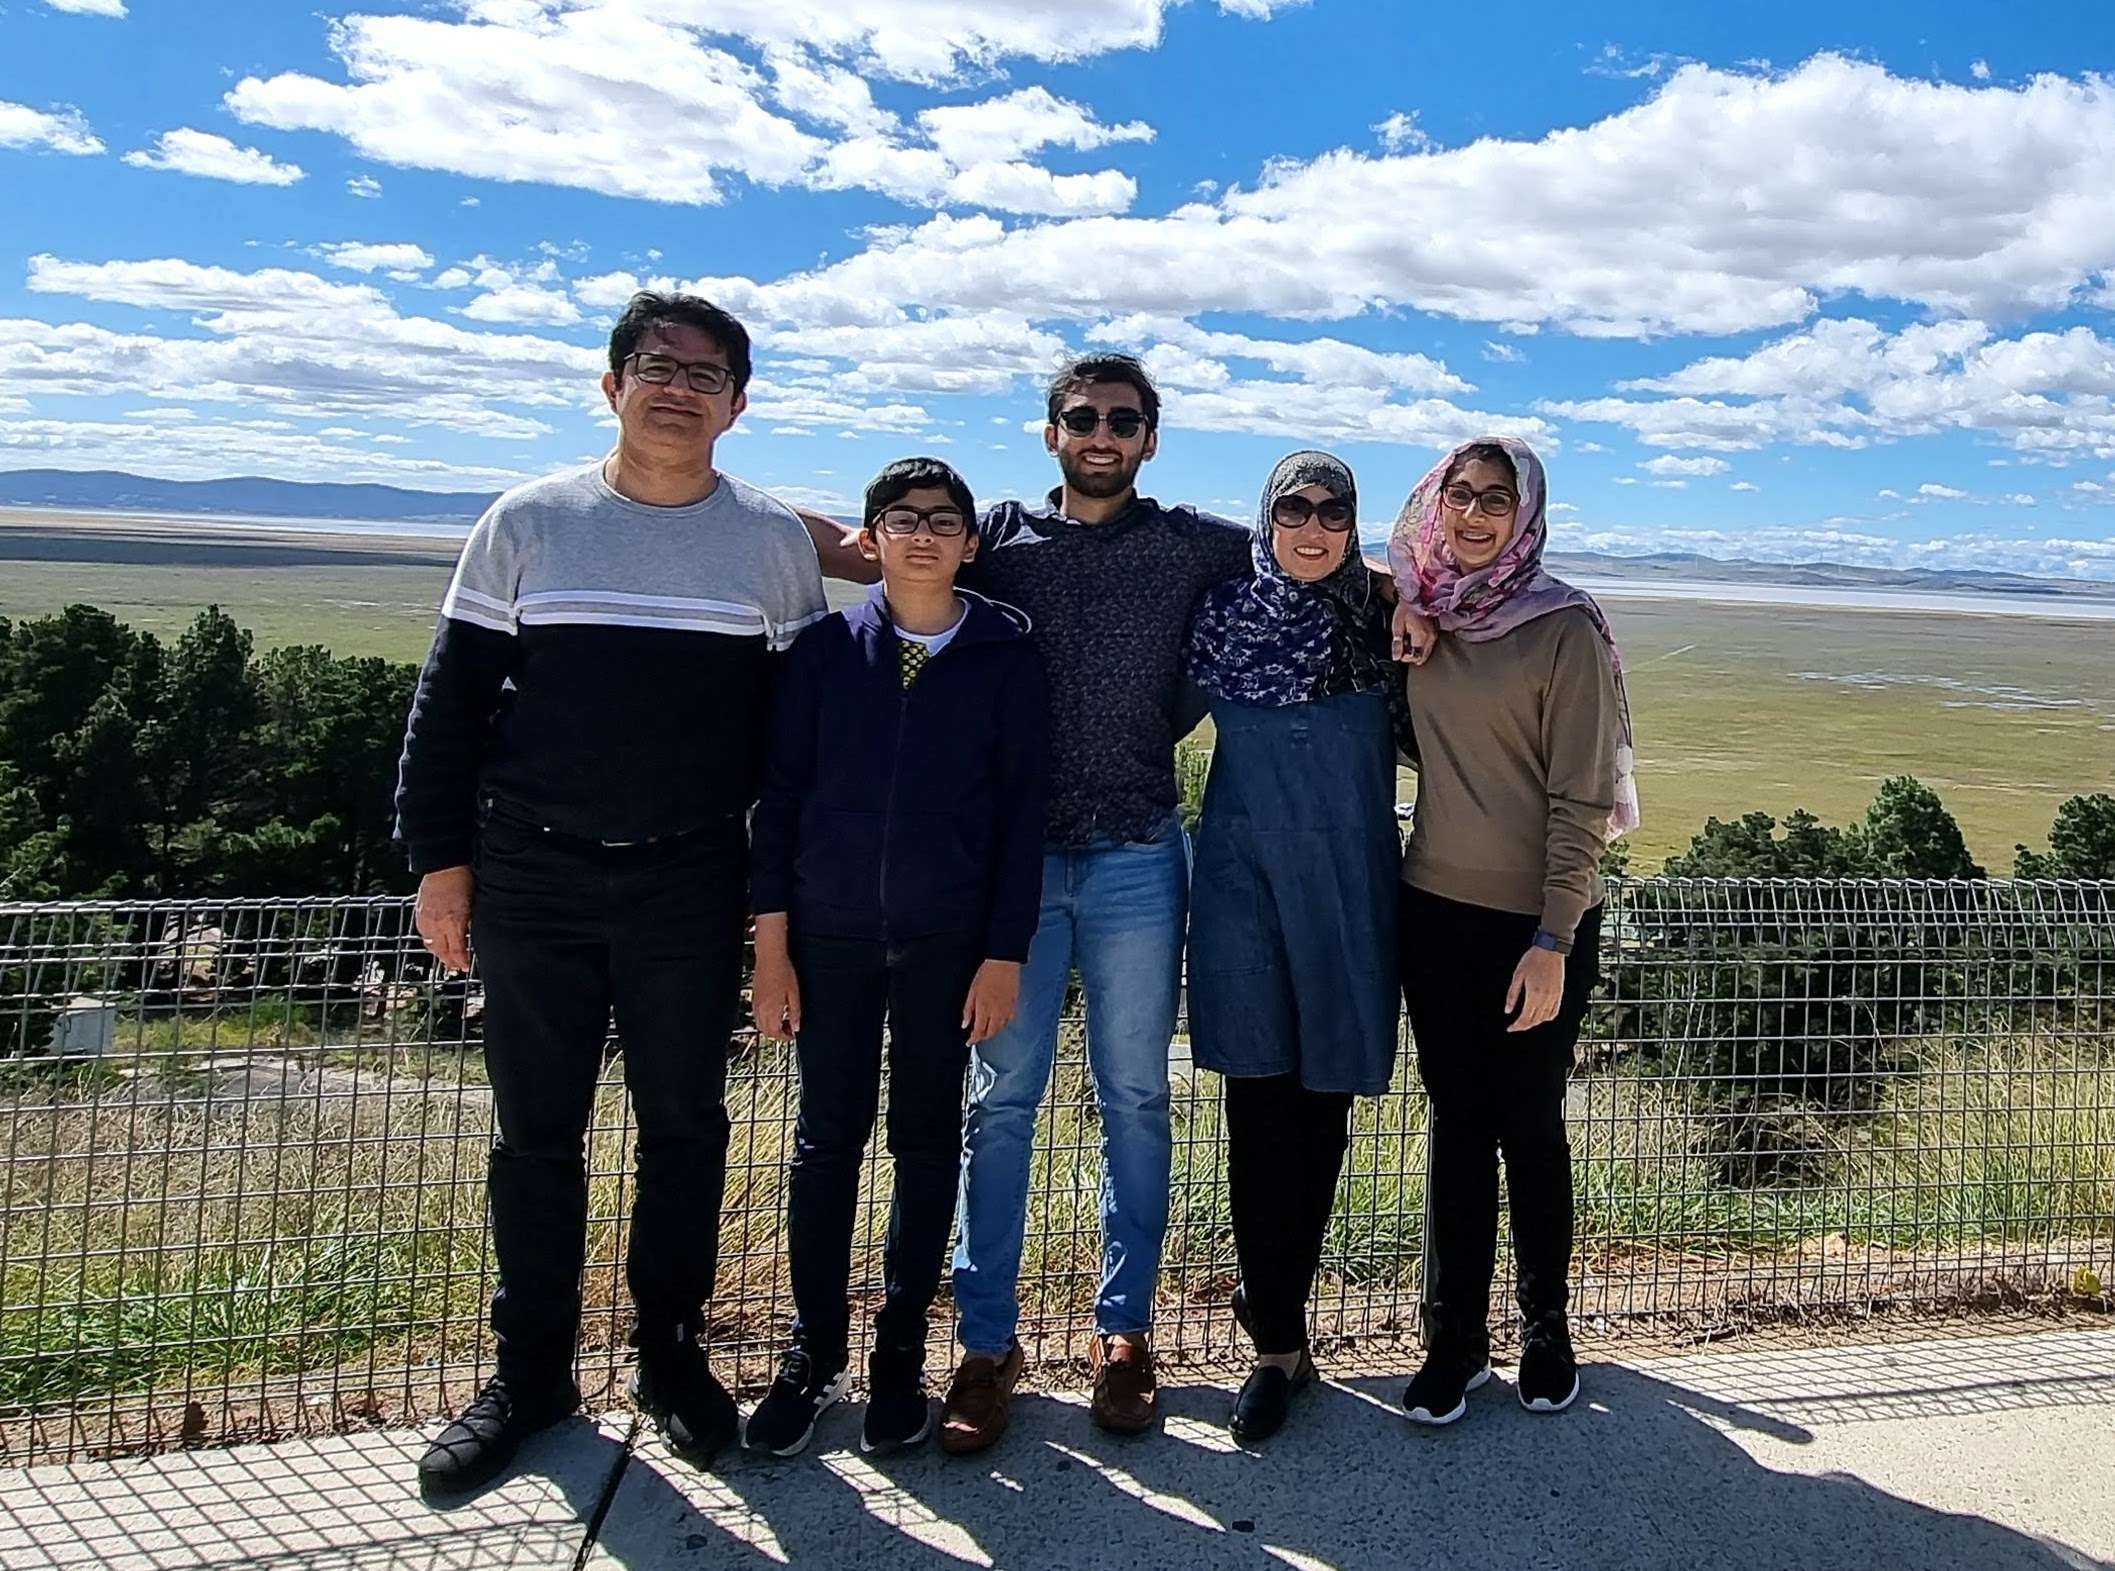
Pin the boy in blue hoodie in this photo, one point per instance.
(897, 871)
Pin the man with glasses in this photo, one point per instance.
(1108, 578)
(580, 759)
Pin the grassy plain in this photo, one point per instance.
(1738, 707)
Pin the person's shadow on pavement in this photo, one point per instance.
(1639, 1473)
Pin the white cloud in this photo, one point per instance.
(1002, 129)
(291, 343)
(188, 152)
(62, 130)
(1980, 70)
(524, 303)
(364, 186)
(605, 95)
(1678, 215)
(1667, 465)
(89, 7)
(607, 291)
(399, 259)
(1940, 493)
(1328, 360)
(1744, 485)
(1503, 353)
(1400, 133)
(1847, 382)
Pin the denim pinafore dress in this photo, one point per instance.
(1292, 961)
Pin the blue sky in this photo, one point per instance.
(1787, 281)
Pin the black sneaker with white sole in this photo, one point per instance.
(1549, 1374)
(899, 1413)
(786, 1417)
(1439, 1392)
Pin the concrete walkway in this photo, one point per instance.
(1985, 1453)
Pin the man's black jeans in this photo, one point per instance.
(847, 986)
(568, 931)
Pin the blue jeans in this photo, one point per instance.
(1116, 910)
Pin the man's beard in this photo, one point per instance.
(1098, 483)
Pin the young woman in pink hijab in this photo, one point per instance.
(1525, 775)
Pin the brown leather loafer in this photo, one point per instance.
(975, 1413)
(1126, 1394)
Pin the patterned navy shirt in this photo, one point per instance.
(1111, 605)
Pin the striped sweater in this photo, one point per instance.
(602, 667)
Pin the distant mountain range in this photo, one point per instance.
(251, 496)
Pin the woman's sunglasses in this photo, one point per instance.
(1293, 512)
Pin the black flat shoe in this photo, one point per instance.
(1266, 1398)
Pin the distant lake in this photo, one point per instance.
(1813, 596)
(2050, 607)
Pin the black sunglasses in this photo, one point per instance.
(1123, 423)
(1293, 512)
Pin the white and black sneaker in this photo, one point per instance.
(1549, 1374)
(786, 1417)
(1439, 1392)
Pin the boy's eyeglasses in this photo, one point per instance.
(1494, 502)
(944, 522)
(704, 376)
(1293, 512)
(1123, 423)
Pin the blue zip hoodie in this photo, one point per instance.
(893, 813)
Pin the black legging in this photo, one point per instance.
(1285, 1146)
(1492, 1092)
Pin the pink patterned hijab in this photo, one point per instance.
(1490, 602)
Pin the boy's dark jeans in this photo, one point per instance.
(847, 986)
(568, 931)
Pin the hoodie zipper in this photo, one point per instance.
(903, 714)
(888, 813)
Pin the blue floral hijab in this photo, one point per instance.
(1273, 640)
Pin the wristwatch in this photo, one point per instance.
(1545, 939)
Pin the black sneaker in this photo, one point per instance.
(1439, 1392)
(677, 1389)
(478, 1445)
(899, 1414)
(786, 1417)
(1549, 1374)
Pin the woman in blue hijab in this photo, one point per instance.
(1292, 968)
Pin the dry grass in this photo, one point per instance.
(295, 1237)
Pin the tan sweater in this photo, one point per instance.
(1518, 740)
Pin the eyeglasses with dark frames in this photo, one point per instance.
(1081, 421)
(1295, 512)
(1492, 501)
(944, 522)
(703, 376)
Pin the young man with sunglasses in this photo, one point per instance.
(581, 755)
(899, 861)
(1109, 579)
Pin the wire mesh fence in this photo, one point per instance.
(242, 1154)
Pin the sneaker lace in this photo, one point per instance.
(797, 1370)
